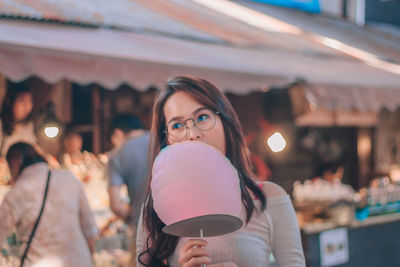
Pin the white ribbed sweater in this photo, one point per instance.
(274, 230)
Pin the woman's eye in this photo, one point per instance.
(177, 126)
(203, 117)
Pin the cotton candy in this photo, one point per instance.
(192, 179)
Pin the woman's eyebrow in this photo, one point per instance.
(181, 118)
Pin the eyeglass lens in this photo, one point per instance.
(204, 120)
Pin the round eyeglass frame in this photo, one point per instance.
(194, 124)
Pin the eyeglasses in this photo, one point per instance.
(204, 120)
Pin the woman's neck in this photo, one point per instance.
(17, 127)
(19, 124)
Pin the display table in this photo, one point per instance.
(372, 242)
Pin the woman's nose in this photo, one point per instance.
(193, 132)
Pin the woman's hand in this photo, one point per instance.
(193, 254)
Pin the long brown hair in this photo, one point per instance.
(159, 246)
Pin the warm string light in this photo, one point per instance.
(51, 131)
(51, 125)
(276, 142)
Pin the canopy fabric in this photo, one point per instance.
(353, 98)
(346, 106)
(110, 58)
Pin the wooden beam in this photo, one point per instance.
(96, 117)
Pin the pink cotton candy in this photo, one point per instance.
(192, 179)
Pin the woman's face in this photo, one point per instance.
(22, 106)
(181, 106)
(117, 138)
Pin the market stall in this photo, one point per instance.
(346, 229)
(354, 244)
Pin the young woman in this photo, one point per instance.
(66, 230)
(16, 118)
(271, 225)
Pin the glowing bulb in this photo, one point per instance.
(276, 142)
(51, 131)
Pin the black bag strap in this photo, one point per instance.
(37, 222)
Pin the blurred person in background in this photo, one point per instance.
(72, 146)
(128, 165)
(66, 230)
(84, 164)
(16, 117)
(122, 125)
(19, 122)
(329, 170)
(72, 157)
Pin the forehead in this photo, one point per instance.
(73, 137)
(24, 96)
(180, 104)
